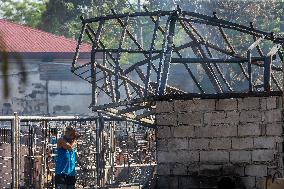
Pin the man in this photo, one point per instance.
(66, 160)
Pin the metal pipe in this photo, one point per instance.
(214, 60)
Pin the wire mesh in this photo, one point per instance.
(116, 153)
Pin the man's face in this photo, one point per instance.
(71, 135)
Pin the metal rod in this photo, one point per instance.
(198, 51)
(168, 53)
(152, 46)
(267, 73)
(249, 69)
(78, 46)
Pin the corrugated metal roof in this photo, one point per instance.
(24, 39)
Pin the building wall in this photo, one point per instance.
(60, 95)
(201, 141)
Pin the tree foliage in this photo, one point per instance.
(62, 16)
(28, 12)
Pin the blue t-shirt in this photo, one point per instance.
(65, 162)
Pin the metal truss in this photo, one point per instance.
(183, 54)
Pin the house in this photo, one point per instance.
(51, 88)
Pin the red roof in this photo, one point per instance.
(24, 39)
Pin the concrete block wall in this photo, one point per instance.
(203, 140)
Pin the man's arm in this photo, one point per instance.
(66, 145)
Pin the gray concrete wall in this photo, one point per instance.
(201, 141)
(39, 97)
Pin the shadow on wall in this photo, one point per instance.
(6, 59)
(226, 183)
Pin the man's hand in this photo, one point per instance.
(68, 145)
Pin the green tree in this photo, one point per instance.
(62, 16)
(27, 12)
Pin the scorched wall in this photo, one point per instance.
(201, 141)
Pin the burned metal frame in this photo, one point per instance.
(131, 97)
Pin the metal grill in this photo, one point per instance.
(112, 152)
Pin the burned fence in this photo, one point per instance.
(183, 54)
(112, 152)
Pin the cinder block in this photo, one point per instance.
(214, 156)
(163, 182)
(193, 168)
(242, 143)
(214, 117)
(240, 156)
(208, 169)
(250, 103)
(232, 117)
(194, 105)
(229, 169)
(226, 104)
(166, 119)
(248, 182)
(181, 105)
(260, 182)
(235, 169)
(216, 131)
(202, 105)
(220, 143)
(181, 156)
(256, 170)
(198, 144)
(264, 142)
(164, 132)
(173, 181)
(279, 102)
(162, 144)
(177, 144)
(183, 131)
(164, 107)
(249, 129)
(226, 131)
(184, 182)
(187, 156)
(263, 103)
(262, 155)
(240, 170)
(163, 156)
(189, 182)
(262, 129)
(273, 115)
(179, 169)
(209, 182)
(163, 169)
(190, 118)
(250, 116)
(271, 103)
(274, 129)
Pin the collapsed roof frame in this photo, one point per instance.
(132, 98)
